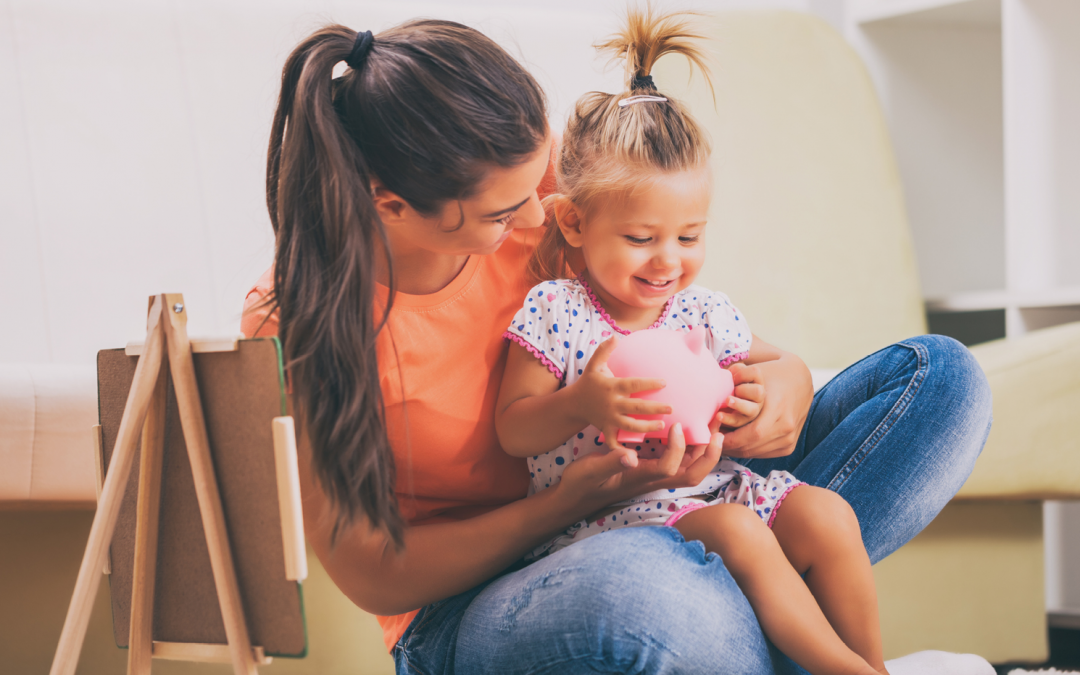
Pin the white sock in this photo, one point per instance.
(939, 663)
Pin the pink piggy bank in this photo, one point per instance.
(696, 384)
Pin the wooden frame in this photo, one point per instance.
(167, 354)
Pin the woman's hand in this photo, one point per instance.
(749, 396)
(601, 479)
(787, 392)
(605, 400)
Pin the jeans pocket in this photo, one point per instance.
(428, 644)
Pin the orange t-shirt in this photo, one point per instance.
(450, 358)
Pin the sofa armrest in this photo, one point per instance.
(1034, 447)
(46, 450)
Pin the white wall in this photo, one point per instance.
(132, 141)
(1043, 143)
(941, 90)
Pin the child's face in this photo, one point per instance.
(645, 245)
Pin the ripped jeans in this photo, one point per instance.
(896, 435)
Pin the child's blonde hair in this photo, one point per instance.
(609, 148)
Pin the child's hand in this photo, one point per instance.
(745, 405)
(601, 479)
(605, 399)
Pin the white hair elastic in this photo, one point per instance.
(640, 98)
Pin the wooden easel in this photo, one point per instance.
(167, 349)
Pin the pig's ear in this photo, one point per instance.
(695, 339)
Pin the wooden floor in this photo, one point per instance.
(40, 552)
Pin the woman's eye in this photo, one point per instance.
(637, 240)
(507, 219)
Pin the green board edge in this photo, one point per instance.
(284, 411)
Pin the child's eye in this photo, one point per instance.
(689, 240)
(637, 240)
(507, 219)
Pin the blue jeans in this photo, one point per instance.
(896, 435)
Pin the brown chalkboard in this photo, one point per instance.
(242, 392)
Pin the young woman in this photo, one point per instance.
(404, 201)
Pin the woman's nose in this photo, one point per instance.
(530, 215)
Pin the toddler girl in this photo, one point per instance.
(630, 218)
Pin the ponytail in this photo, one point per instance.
(431, 107)
(328, 235)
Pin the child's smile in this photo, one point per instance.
(657, 285)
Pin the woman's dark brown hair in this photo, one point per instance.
(432, 107)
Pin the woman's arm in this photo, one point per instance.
(787, 393)
(441, 560)
(437, 561)
(533, 415)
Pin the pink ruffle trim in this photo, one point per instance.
(776, 507)
(607, 317)
(683, 511)
(535, 352)
(734, 358)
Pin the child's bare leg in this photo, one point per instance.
(787, 611)
(820, 536)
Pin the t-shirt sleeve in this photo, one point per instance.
(729, 334)
(541, 323)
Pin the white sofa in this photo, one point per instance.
(46, 412)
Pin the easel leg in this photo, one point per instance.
(140, 641)
(101, 532)
(182, 366)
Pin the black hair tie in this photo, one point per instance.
(642, 82)
(360, 50)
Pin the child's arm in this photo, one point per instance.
(744, 406)
(745, 403)
(533, 415)
(775, 387)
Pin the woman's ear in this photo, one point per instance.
(390, 207)
(569, 216)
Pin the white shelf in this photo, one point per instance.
(982, 98)
(984, 300)
(978, 12)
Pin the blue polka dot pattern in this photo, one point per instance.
(729, 483)
(571, 325)
(566, 333)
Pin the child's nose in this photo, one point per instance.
(667, 257)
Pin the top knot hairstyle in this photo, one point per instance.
(427, 108)
(611, 148)
(645, 38)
